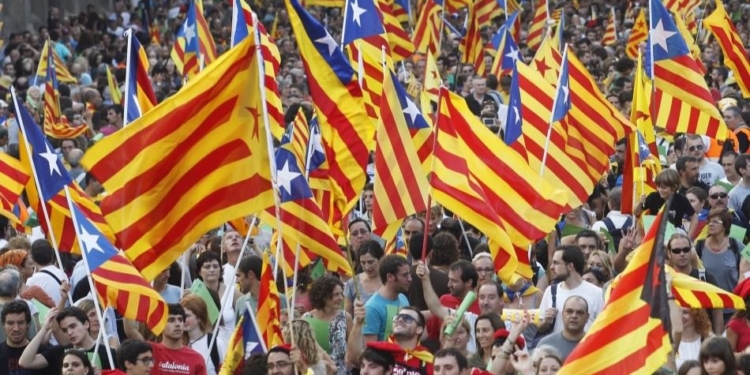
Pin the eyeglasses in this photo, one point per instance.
(696, 148)
(280, 365)
(146, 360)
(485, 270)
(681, 250)
(719, 195)
(406, 318)
(716, 222)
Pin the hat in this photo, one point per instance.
(742, 289)
(385, 346)
(502, 334)
(726, 103)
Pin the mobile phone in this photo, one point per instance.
(488, 121)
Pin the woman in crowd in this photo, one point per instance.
(21, 260)
(601, 261)
(545, 361)
(696, 328)
(209, 270)
(691, 367)
(109, 334)
(75, 362)
(198, 330)
(368, 282)
(460, 337)
(484, 330)
(697, 197)
(314, 356)
(667, 184)
(594, 276)
(483, 263)
(329, 322)
(717, 358)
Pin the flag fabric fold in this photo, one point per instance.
(14, 177)
(735, 55)
(139, 95)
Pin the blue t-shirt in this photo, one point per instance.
(171, 294)
(380, 313)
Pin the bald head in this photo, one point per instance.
(74, 157)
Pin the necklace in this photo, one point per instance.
(196, 340)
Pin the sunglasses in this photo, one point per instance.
(406, 318)
(681, 250)
(719, 195)
(695, 148)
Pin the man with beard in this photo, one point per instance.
(575, 314)
(395, 274)
(567, 267)
(16, 319)
(718, 198)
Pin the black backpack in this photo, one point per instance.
(733, 245)
(617, 233)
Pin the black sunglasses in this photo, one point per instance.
(683, 250)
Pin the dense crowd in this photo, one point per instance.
(392, 317)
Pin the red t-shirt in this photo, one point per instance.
(184, 361)
(412, 366)
(739, 326)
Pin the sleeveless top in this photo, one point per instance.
(331, 336)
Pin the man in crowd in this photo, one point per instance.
(134, 357)
(171, 355)
(709, 171)
(382, 306)
(16, 320)
(48, 276)
(575, 313)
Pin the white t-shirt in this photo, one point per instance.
(711, 172)
(47, 282)
(618, 219)
(590, 292)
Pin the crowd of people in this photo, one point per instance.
(391, 318)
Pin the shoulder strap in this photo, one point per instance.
(53, 276)
(609, 224)
(701, 274)
(699, 248)
(214, 352)
(735, 249)
(554, 296)
(628, 223)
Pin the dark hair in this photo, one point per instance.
(573, 254)
(359, 220)
(498, 287)
(743, 363)
(42, 252)
(461, 361)
(687, 366)
(598, 275)
(390, 265)
(414, 218)
(719, 348)
(129, 351)
(322, 290)
(72, 312)
(445, 249)
(251, 264)
(379, 357)
(681, 163)
(723, 215)
(741, 162)
(205, 257)
(176, 309)
(82, 356)
(417, 242)
(117, 109)
(421, 321)
(371, 247)
(257, 364)
(16, 307)
(496, 323)
(588, 233)
(468, 271)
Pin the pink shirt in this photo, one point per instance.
(740, 327)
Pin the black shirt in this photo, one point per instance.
(9, 357)
(55, 354)
(698, 183)
(680, 207)
(476, 105)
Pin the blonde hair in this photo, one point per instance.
(606, 261)
(303, 339)
(464, 324)
(542, 352)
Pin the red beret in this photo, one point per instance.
(286, 348)
(390, 347)
(503, 333)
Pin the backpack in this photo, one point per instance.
(733, 245)
(617, 233)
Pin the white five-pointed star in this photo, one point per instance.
(249, 347)
(659, 36)
(515, 113)
(566, 93)
(90, 241)
(317, 143)
(285, 177)
(644, 148)
(513, 54)
(411, 110)
(51, 159)
(189, 33)
(357, 12)
(328, 40)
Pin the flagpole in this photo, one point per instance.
(343, 26)
(127, 80)
(43, 203)
(85, 256)
(551, 123)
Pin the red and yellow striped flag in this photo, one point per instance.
(400, 42)
(56, 125)
(14, 177)
(735, 55)
(168, 174)
(471, 48)
(485, 11)
(610, 33)
(432, 77)
(638, 35)
(695, 50)
(427, 32)
(524, 203)
(269, 306)
(696, 294)
(538, 24)
(401, 188)
(632, 333)
(63, 75)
